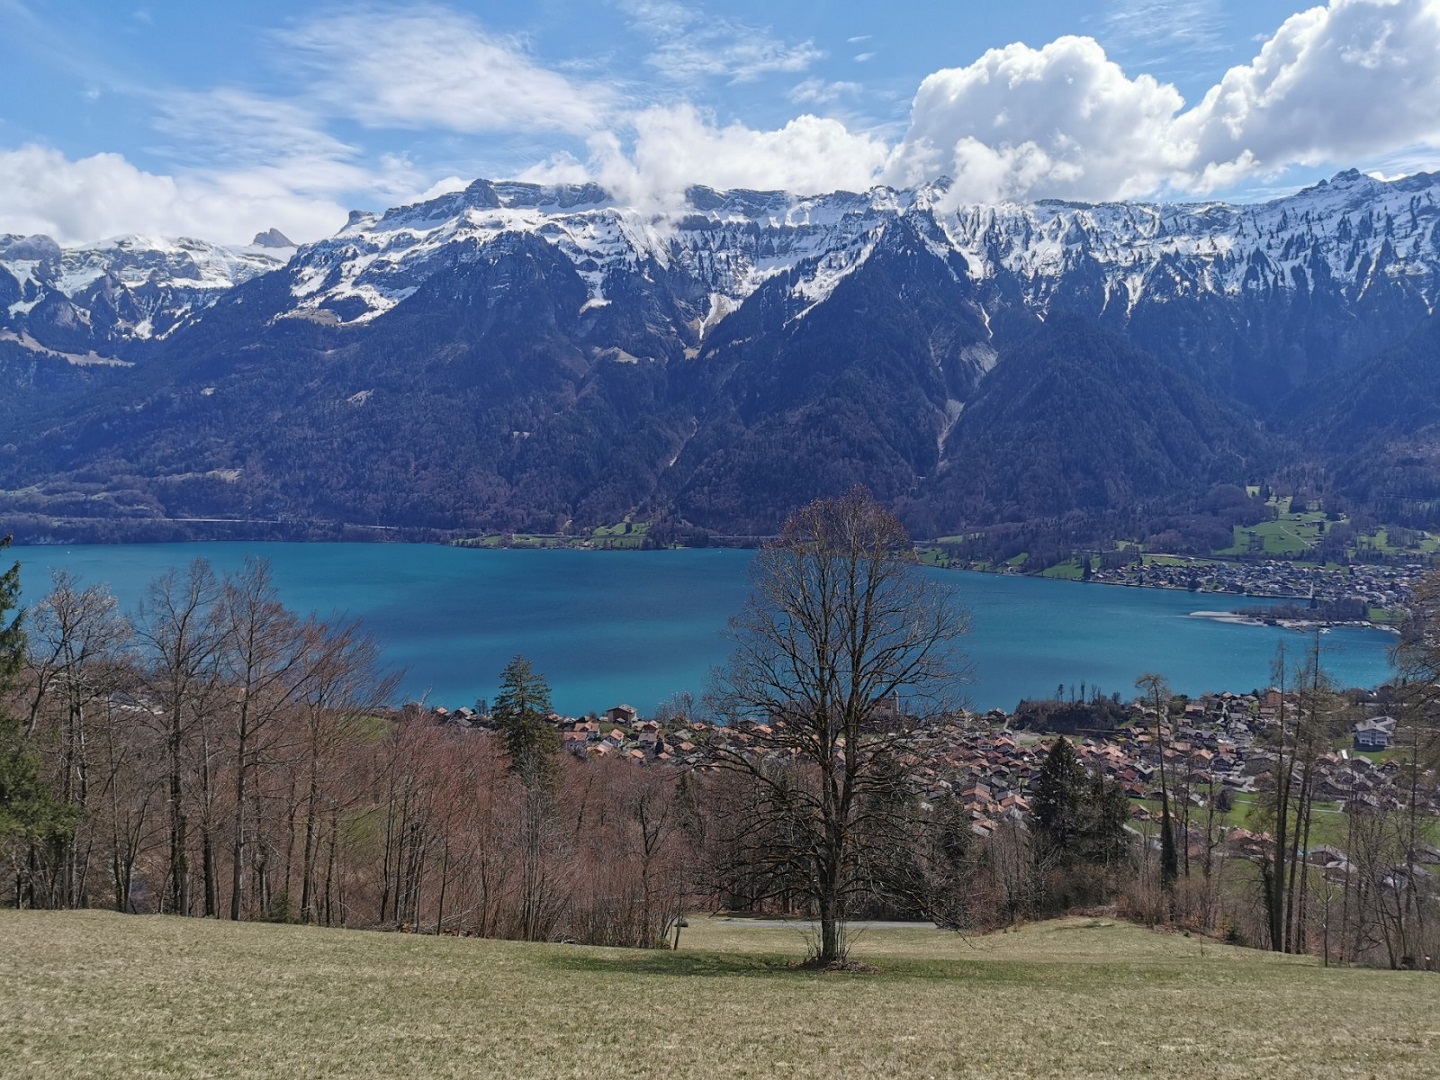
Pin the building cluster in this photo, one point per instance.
(1219, 747)
(1376, 586)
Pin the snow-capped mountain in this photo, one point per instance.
(91, 303)
(522, 356)
(1365, 240)
(1360, 254)
(1354, 232)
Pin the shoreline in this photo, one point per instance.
(1235, 618)
(393, 535)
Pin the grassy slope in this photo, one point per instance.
(95, 995)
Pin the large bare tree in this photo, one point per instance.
(844, 647)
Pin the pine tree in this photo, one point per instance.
(522, 712)
(1106, 810)
(29, 810)
(1057, 807)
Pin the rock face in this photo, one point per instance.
(518, 356)
(103, 299)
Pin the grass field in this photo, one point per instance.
(89, 994)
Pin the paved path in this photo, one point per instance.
(853, 926)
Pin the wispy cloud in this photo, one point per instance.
(228, 125)
(815, 91)
(431, 67)
(1180, 33)
(690, 45)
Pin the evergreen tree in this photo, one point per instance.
(1078, 816)
(522, 713)
(29, 811)
(1106, 810)
(1057, 807)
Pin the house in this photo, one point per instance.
(1374, 734)
(1326, 855)
(622, 714)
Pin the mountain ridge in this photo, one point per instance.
(518, 356)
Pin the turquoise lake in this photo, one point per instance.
(636, 627)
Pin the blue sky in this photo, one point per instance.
(219, 120)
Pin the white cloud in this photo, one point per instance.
(1061, 121)
(813, 91)
(675, 147)
(1353, 83)
(691, 45)
(428, 67)
(105, 195)
(1338, 84)
(447, 186)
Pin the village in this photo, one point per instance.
(1216, 753)
(1378, 586)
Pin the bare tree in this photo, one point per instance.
(263, 656)
(842, 649)
(1160, 697)
(180, 635)
(77, 642)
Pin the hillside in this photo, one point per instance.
(1077, 418)
(102, 995)
(1381, 423)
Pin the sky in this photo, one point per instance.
(177, 117)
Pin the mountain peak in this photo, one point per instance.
(272, 238)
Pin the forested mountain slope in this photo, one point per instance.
(522, 357)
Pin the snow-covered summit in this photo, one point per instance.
(120, 289)
(1349, 231)
(1353, 236)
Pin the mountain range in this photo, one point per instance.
(542, 358)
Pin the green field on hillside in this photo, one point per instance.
(101, 995)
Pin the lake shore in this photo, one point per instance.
(1236, 618)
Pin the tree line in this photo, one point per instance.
(216, 754)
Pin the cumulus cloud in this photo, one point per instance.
(1340, 83)
(677, 146)
(429, 67)
(1336, 84)
(105, 195)
(1062, 121)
